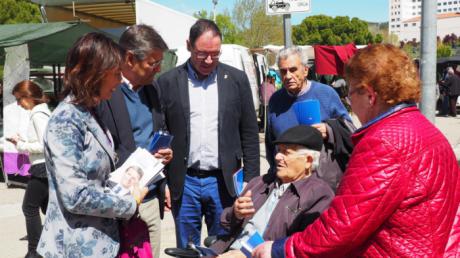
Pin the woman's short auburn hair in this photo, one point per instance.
(388, 70)
(88, 61)
(29, 89)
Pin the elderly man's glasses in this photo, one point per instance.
(200, 55)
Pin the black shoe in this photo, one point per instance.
(33, 254)
(24, 238)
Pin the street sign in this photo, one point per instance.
(275, 7)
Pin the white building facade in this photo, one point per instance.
(403, 12)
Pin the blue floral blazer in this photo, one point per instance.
(81, 219)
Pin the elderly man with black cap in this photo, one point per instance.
(278, 205)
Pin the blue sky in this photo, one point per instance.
(369, 10)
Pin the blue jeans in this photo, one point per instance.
(206, 196)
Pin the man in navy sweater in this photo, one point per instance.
(292, 63)
(133, 115)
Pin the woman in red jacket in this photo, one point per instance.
(398, 196)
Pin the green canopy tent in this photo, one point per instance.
(48, 43)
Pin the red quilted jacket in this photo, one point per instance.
(399, 196)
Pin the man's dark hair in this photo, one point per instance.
(201, 26)
(141, 40)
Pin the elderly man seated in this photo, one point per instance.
(278, 205)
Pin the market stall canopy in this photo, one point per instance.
(48, 43)
(120, 11)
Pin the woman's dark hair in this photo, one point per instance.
(28, 89)
(89, 59)
(201, 26)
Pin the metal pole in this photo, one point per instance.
(428, 59)
(214, 9)
(287, 30)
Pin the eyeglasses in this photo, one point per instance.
(353, 91)
(156, 64)
(350, 93)
(200, 55)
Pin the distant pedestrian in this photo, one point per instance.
(452, 90)
(30, 97)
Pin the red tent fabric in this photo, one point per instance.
(332, 59)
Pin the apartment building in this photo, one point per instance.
(403, 13)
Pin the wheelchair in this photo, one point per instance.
(192, 251)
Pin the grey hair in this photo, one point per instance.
(295, 50)
(314, 154)
(141, 40)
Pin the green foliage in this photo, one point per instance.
(378, 38)
(412, 49)
(229, 32)
(255, 28)
(444, 51)
(326, 30)
(19, 11)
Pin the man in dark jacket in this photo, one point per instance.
(279, 205)
(210, 112)
(452, 86)
(133, 115)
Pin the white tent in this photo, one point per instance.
(172, 25)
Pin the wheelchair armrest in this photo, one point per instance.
(208, 241)
(182, 252)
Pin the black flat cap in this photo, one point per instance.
(302, 135)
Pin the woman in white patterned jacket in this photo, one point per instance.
(81, 219)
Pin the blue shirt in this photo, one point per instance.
(204, 122)
(140, 116)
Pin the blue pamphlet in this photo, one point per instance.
(248, 246)
(161, 140)
(308, 112)
(238, 181)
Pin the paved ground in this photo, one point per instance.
(12, 226)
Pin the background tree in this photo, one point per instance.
(229, 32)
(326, 30)
(19, 11)
(444, 51)
(254, 27)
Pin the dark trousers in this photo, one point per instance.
(453, 105)
(202, 196)
(35, 197)
(444, 104)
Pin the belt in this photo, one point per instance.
(202, 173)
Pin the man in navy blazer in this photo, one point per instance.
(133, 114)
(209, 109)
